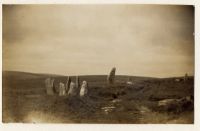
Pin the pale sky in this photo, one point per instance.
(139, 40)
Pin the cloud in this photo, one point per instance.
(154, 40)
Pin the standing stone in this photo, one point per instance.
(111, 76)
(72, 90)
(77, 82)
(185, 77)
(67, 86)
(62, 91)
(49, 86)
(84, 89)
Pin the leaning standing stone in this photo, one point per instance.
(77, 82)
(111, 76)
(68, 83)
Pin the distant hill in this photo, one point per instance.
(94, 80)
(25, 75)
(11, 76)
(28, 75)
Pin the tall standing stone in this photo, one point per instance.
(62, 91)
(77, 82)
(49, 86)
(67, 86)
(72, 90)
(111, 76)
(84, 89)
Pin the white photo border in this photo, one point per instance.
(115, 127)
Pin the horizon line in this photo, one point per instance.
(91, 74)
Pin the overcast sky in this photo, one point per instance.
(144, 40)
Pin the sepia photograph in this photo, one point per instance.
(98, 63)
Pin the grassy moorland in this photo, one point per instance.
(25, 100)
